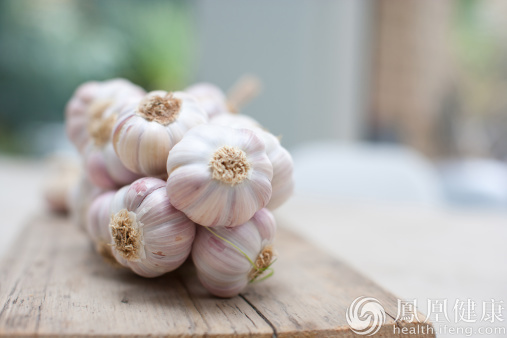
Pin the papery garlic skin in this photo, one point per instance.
(149, 235)
(221, 267)
(91, 98)
(219, 175)
(97, 224)
(210, 97)
(283, 167)
(283, 170)
(146, 132)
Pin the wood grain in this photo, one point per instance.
(53, 284)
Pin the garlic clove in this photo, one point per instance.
(149, 235)
(227, 259)
(219, 175)
(210, 97)
(145, 133)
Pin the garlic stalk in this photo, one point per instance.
(91, 99)
(149, 235)
(146, 132)
(283, 180)
(219, 175)
(210, 97)
(227, 259)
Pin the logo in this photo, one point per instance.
(365, 316)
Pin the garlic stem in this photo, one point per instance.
(163, 110)
(229, 165)
(127, 235)
(243, 91)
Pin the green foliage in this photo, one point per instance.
(49, 47)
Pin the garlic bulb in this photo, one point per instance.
(227, 259)
(283, 167)
(91, 99)
(210, 97)
(146, 132)
(219, 175)
(102, 165)
(81, 196)
(283, 180)
(235, 121)
(63, 176)
(97, 225)
(149, 235)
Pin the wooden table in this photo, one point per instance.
(53, 284)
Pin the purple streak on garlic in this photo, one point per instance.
(219, 175)
(149, 235)
(90, 99)
(146, 132)
(221, 267)
(283, 167)
(210, 97)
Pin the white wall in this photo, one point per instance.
(312, 56)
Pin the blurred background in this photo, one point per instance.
(395, 112)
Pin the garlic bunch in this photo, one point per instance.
(91, 99)
(149, 235)
(283, 181)
(227, 259)
(102, 165)
(97, 225)
(219, 176)
(210, 97)
(146, 132)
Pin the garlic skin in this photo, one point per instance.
(222, 268)
(283, 166)
(146, 132)
(93, 98)
(97, 224)
(219, 176)
(210, 97)
(149, 235)
(283, 170)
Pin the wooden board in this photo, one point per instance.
(53, 284)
